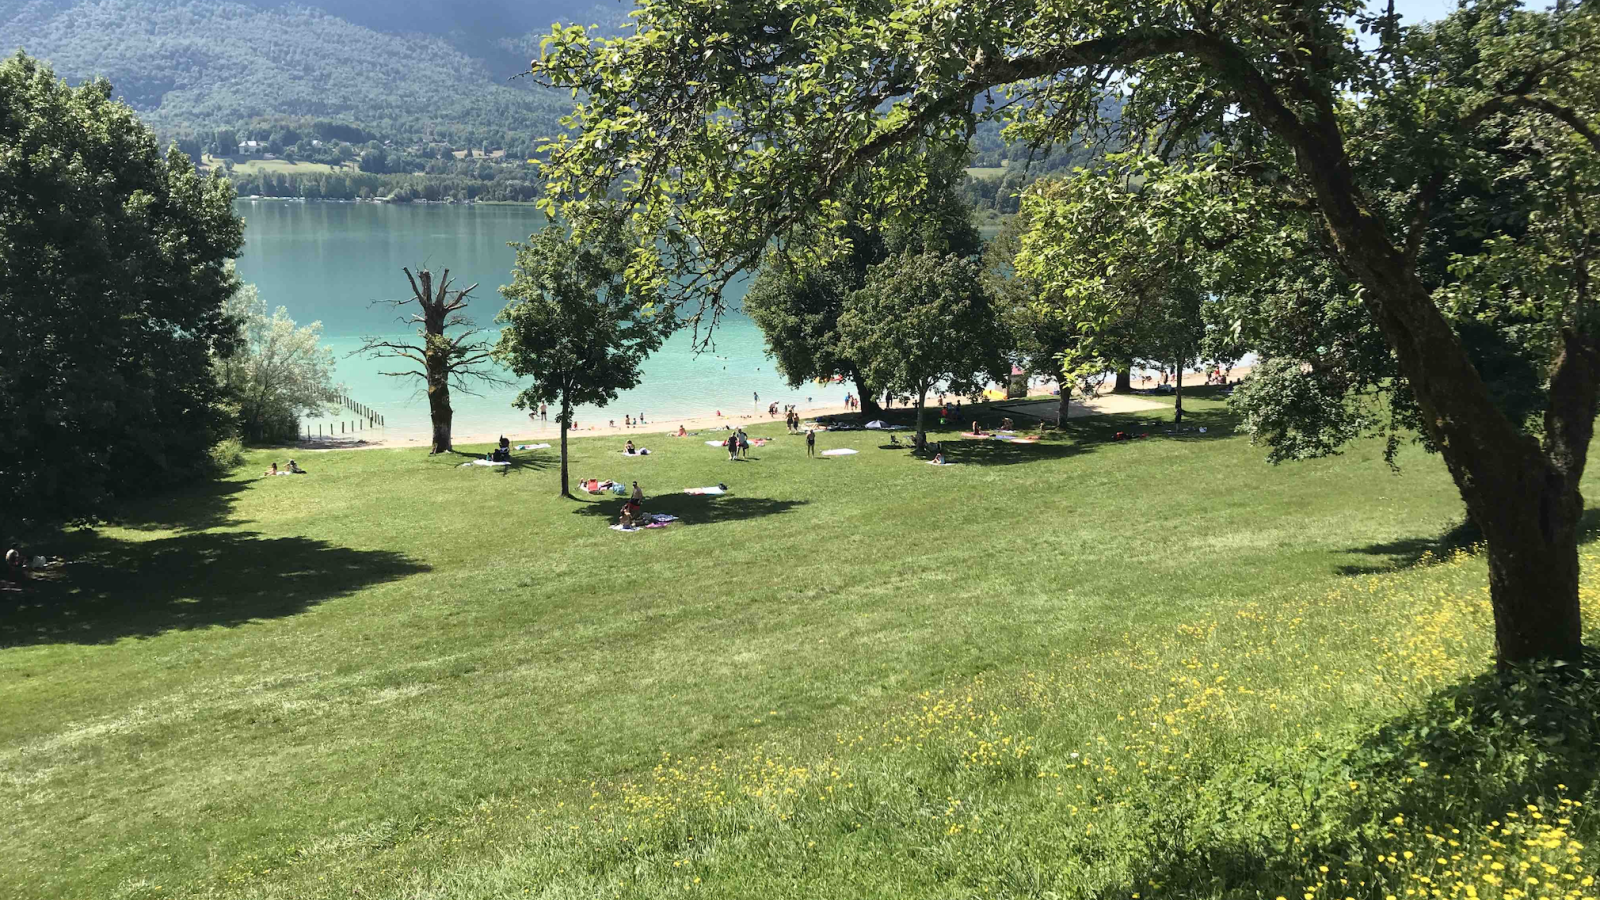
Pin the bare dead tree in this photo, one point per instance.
(444, 361)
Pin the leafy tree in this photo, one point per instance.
(114, 268)
(1126, 255)
(804, 284)
(443, 360)
(742, 117)
(277, 372)
(1044, 335)
(924, 319)
(575, 324)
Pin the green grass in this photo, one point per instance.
(280, 166)
(1079, 669)
(985, 171)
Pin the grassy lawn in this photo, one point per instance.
(1081, 668)
(985, 171)
(280, 166)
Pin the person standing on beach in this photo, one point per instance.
(544, 412)
(811, 442)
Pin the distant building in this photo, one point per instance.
(251, 148)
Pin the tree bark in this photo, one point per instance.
(869, 406)
(439, 409)
(922, 404)
(1124, 383)
(1177, 406)
(1064, 408)
(564, 418)
(1525, 500)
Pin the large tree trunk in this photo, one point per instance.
(566, 416)
(1124, 383)
(1524, 498)
(922, 403)
(869, 405)
(1064, 407)
(1177, 406)
(439, 411)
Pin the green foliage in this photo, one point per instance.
(226, 455)
(114, 273)
(277, 373)
(574, 324)
(924, 319)
(804, 284)
(200, 64)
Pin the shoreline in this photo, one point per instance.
(695, 425)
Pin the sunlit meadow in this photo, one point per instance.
(1083, 669)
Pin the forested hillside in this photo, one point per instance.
(434, 72)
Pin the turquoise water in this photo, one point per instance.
(327, 262)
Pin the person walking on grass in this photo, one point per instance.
(733, 446)
(744, 444)
(811, 442)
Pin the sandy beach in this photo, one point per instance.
(1103, 403)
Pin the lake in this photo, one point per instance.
(328, 262)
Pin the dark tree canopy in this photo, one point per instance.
(113, 278)
(797, 297)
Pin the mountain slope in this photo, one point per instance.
(197, 64)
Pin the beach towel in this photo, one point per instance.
(533, 447)
(476, 462)
(933, 463)
(841, 451)
(643, 451)
(975, 437)
(716, 444)
(625, 528)
(713, 491)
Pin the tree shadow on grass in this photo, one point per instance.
(692, 509)
(521, 460)
(1468, 756)
(206, 505)
(111, 589)
(1463, 535)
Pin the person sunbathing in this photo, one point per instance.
(682, 432)
(629, 449)
(294, 468)
(938, 459)
(977, 429)
(273, 470)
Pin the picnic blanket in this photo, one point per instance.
(722, 443)
(657, 520)
(975, 436)
(934, 463)
(533, 447)
(642, 451)
(841, 451)
(712, 491)
(480, 462)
